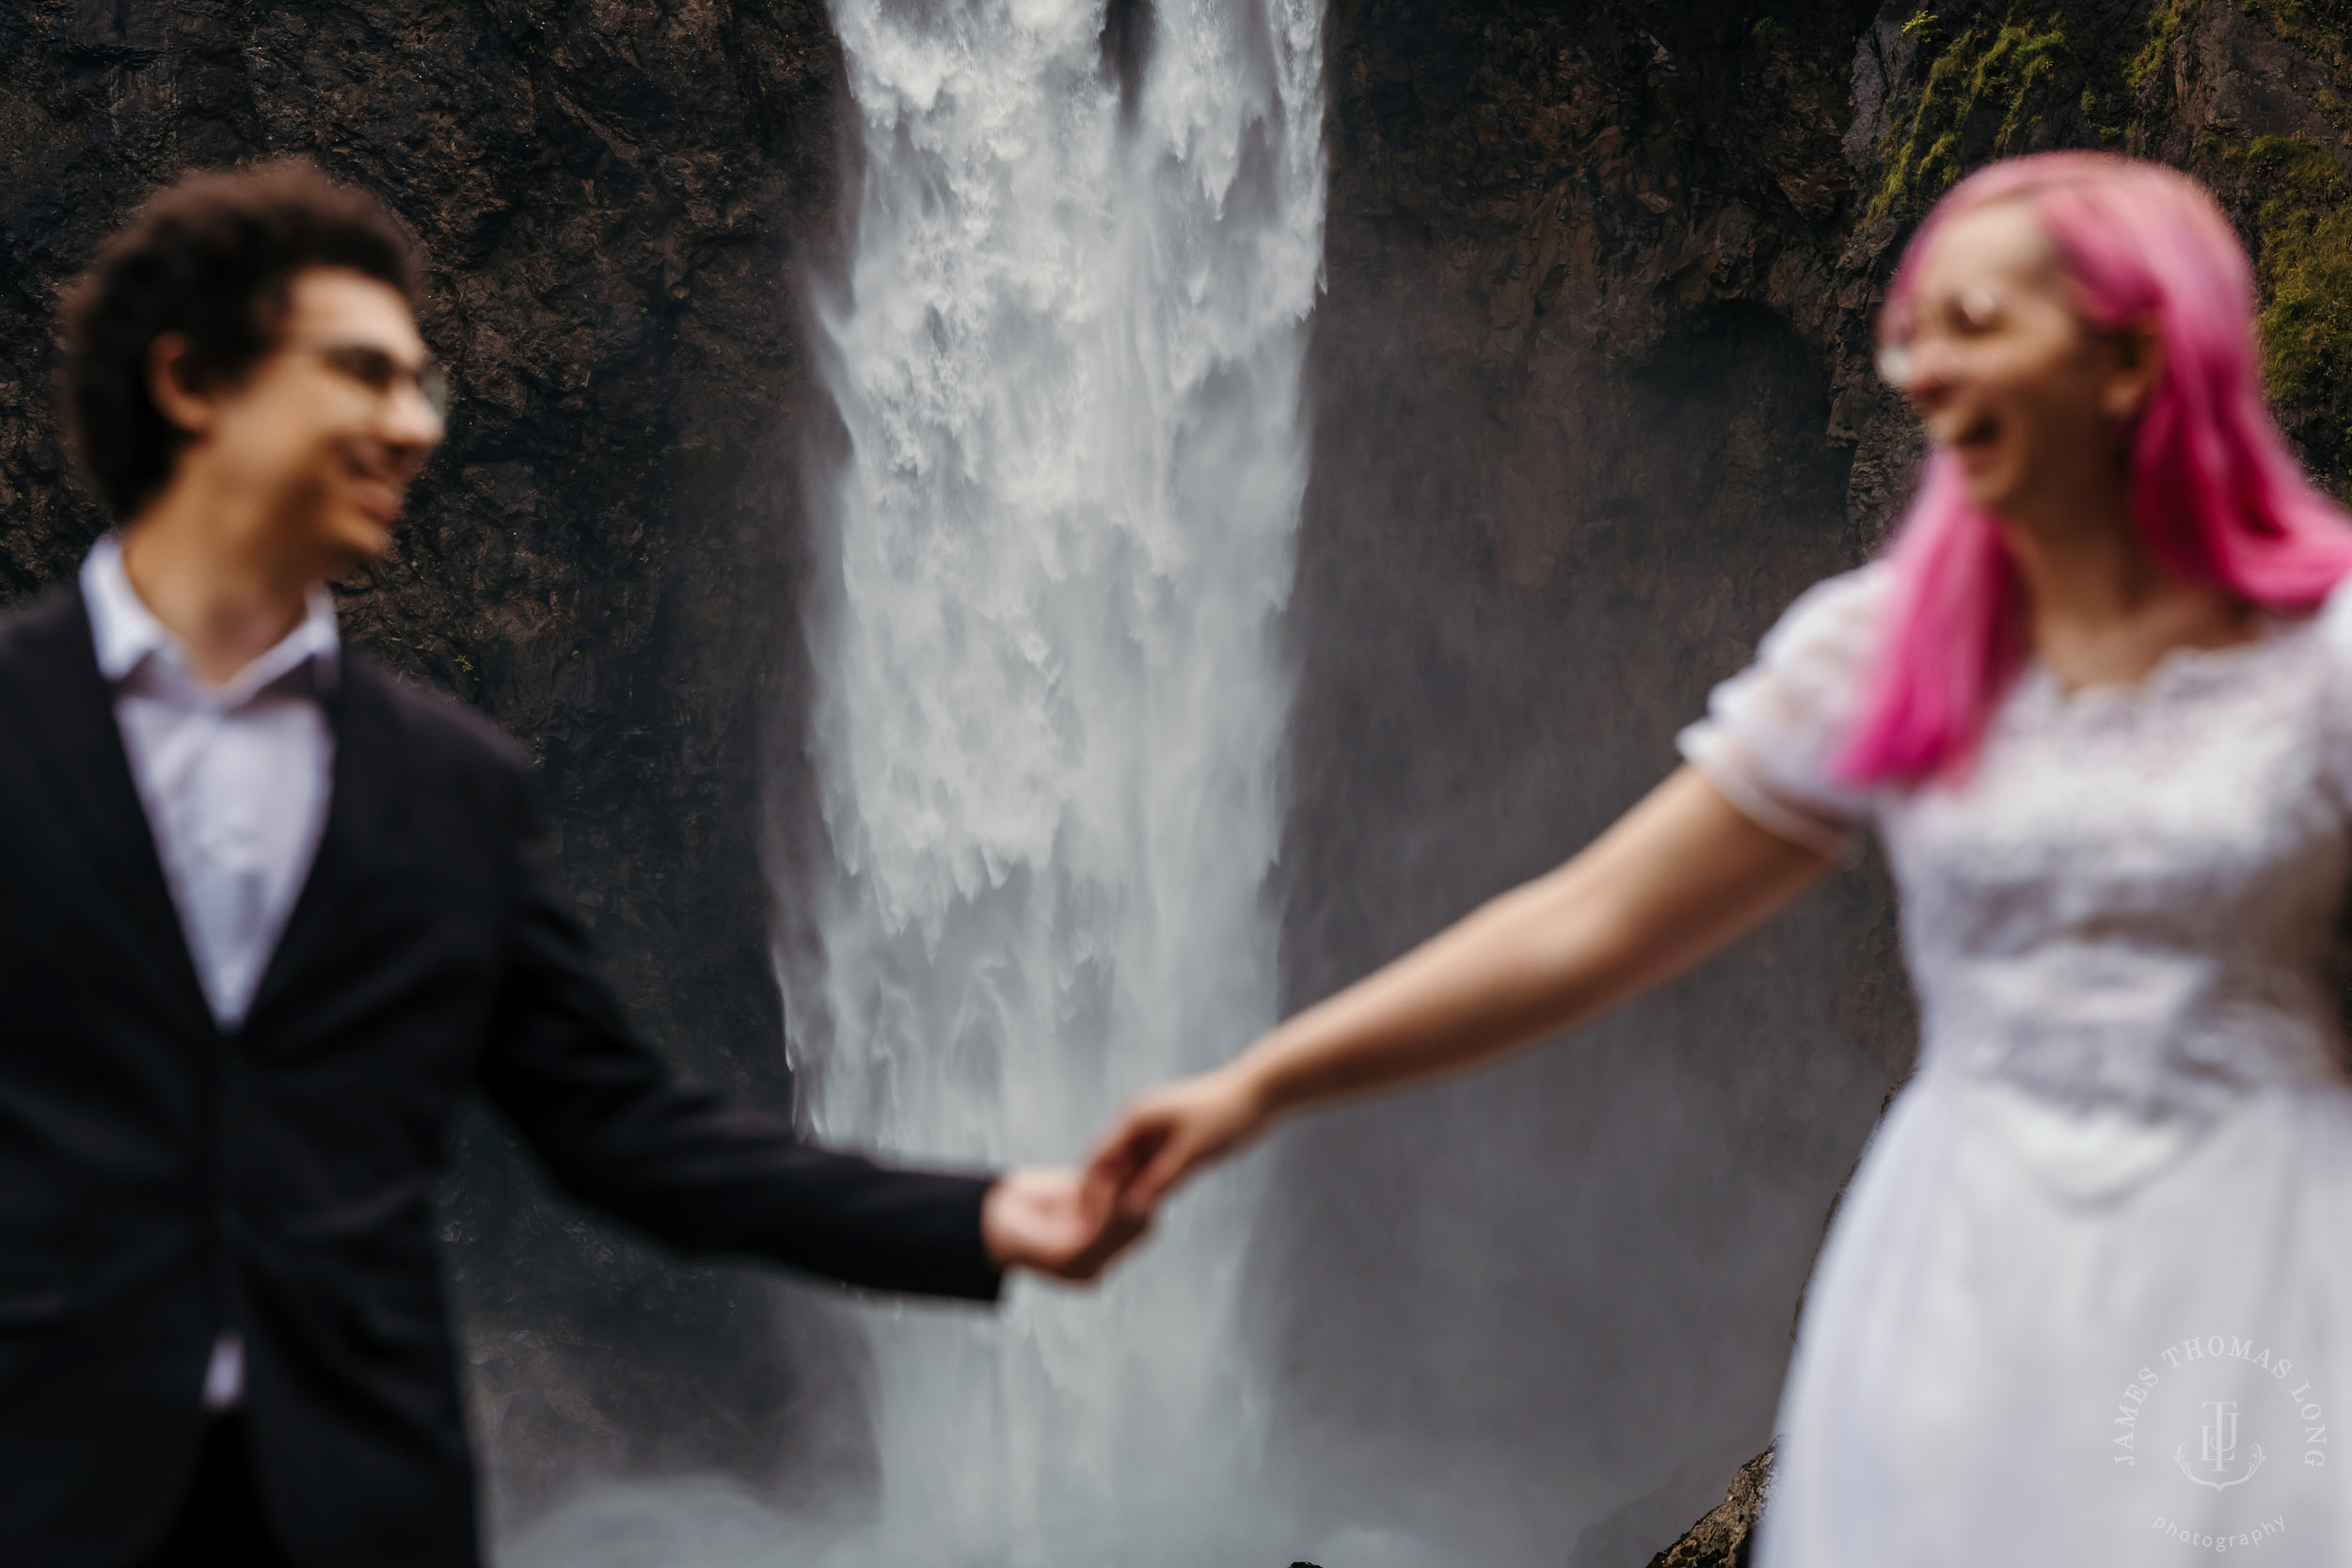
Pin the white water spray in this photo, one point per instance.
(1050, 713)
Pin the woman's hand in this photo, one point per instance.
(1056, 1222)
(1173, 1130)
(1677, 877)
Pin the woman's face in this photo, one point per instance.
(2005, 372)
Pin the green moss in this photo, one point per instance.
(2307, 312)
(2317, 29)
(2166, 23)
(2320, 32)
(1987, 67)
(2305, 266)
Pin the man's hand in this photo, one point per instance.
(1056, 1222)
(1171, 1132)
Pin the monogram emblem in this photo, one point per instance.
(2216, 1459)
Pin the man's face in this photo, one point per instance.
(325, 433)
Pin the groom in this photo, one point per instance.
(265, 913)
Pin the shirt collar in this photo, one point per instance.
(127, 634)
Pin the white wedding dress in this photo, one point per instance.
(2089, 1298)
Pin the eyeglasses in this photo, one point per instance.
(1974, 312)
(380, 373)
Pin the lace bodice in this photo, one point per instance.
(2124, 917)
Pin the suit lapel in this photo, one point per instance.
(57, 680)
(362, 808)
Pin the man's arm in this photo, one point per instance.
(620, 1130)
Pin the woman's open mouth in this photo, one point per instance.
(1966, 432)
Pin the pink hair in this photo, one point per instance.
(2216, 496)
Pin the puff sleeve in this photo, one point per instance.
(2335, 718)
(1772, 731)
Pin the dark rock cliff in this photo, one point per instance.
(1593, 401)
(1575, 380)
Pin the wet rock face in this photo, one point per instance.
(1590, 390)
(1726, 1537)
(619, 198)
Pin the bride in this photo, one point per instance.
(2089, 1298)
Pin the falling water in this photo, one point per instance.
(1051, 707)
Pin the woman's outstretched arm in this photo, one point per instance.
(1676, 879)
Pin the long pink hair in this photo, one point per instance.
(2216, 496)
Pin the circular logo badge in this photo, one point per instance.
(2215, 1436)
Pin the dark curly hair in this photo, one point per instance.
(209, 257)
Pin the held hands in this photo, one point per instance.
(1070, 1224)
(1171, 1132)
(1060, 1223)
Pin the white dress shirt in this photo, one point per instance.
(234, 779)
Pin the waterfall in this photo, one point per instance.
(1050, 712)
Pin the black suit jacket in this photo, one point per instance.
(162, 1180)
